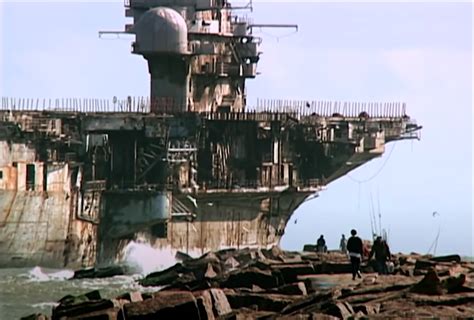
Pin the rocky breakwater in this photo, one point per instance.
(272, 284)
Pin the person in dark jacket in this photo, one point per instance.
(343, 244)
(354, 247)
(382, 255)
(321, 244)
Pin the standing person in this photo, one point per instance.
(354, 246)
(343, 244)
(321, 244)
(382, 255)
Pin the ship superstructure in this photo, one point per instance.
(190, 168)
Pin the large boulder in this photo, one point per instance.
(35, 316)
(103, 272)
(89, 305)
(163, 277)
(249, 277)
(165, 305)
(430, 284)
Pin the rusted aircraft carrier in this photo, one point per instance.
(190, 168)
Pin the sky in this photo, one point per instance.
(419, 53)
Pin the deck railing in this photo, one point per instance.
(297, 108)
(332, 108)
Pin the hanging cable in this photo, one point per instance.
(275, 36)
(376, 173)
(358, 199)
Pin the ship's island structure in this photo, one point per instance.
(191, 168)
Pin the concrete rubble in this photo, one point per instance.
(274, 284)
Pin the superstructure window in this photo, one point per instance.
(1, 174)
(30, 177)
(160, 230)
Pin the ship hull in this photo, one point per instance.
(39, 229)
(218, 221)
(76, 189)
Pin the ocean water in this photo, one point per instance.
(24, 291)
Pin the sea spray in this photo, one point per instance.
(143, 258)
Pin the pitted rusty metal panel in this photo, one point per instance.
(58, 216)
(7, 200)
(34, 228)
(27, 219)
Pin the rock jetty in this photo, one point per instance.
(274, 284)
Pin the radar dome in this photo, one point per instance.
(161, 30)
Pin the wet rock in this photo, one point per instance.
(88, 306)
(86, 309)
(164, 277)
(72, 300)
(133, 296)
(181, 256)
(104, 272)
(93, 295)
(184, 281)
(36, 316)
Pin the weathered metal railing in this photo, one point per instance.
(131, 104)
(332, 108)
(297, 108)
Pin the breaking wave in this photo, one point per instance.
(39, 275)
(143, 258)
(45, 305)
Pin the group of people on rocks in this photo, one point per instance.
(356, 251)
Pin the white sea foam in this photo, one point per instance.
(144, 259)
(45, 305)
(39, 275)
(61, 275)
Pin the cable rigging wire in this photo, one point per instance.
(377, 172)
(286, 35)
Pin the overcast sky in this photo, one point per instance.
(420, 53)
